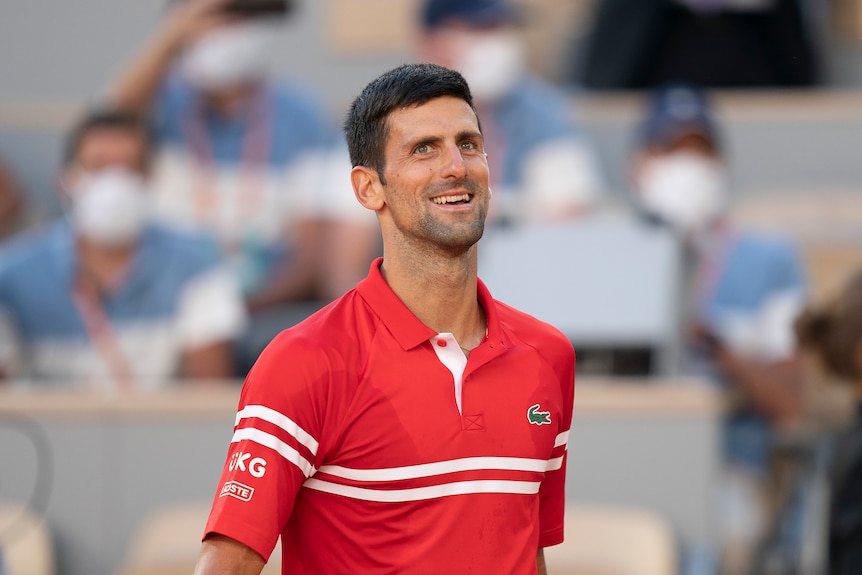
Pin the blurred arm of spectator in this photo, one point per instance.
(137, 87)
(11, 203)
(349, 245)
(773, 387)
(350, 238)
(336, 241)
(210, 317)
(294, 280)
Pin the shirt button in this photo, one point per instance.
(441, 342)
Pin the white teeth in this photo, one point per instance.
(451, 199)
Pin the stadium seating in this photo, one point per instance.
(25, 542)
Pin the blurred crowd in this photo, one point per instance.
(206, 208)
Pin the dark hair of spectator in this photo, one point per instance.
(834, 332)
(366, 127)
(108, 119)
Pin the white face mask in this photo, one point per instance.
(491, 62)
(685, 189)
(110, 207)
(229, 56)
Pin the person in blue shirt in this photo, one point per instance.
(546, 169)
(105, 298)
(743, 290)
(252, 159)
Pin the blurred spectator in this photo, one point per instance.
(543, 167)
(104, 297)
(11, 203)
(715, 43)
(834, 333)
(247, 157)
(743, 291)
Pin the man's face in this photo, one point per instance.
(436, 174)
(105, 186)
(104, 148)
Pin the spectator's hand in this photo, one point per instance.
(705, 339)
(190, 19)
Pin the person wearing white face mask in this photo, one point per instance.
(105, 298)
(546, 169)
(246, 158)
(744, 289)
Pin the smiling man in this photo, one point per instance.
(416, 425)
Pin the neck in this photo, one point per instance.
(441, 291)
(102, 268)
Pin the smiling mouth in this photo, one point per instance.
(454, 199)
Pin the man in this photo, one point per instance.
(547, 170)
(415, 425)
(247, 158)
(744, 290)
(103, 298)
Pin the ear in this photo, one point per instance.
(367, 187)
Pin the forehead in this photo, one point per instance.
(111, 145)
(689, 142)
(440, 117)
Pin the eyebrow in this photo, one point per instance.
(460, 136)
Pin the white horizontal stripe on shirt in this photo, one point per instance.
(438, 468)
(282, 421)
(554, 464)
(271, 441)
(422, 493)
(562, 439)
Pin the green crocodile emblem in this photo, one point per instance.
(538, 417)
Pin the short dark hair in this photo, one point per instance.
(112, 119)
(366, 128)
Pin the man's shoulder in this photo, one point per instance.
(531, 330)
(334, 334)
(29, 250)
(183, 246)
(765, 253)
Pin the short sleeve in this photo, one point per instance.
(276, 442)
(560, 175)
(211, 309)
(552, 492)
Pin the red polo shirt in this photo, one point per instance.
(371, 445)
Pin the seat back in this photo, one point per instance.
(613, 540)
(26, 547)
(168, 542)
(607, 280)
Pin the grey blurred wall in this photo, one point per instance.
(68, 51)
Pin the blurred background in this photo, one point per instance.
(103, 479)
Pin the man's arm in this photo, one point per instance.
(774, 388)
(222, 555)
(540, 562)
(211, 361)
(136, 88)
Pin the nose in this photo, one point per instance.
(453, 163)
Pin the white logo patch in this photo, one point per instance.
(238, 490)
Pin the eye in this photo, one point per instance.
(471, 146)
(422, 149)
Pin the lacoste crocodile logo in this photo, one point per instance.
(537, 417)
